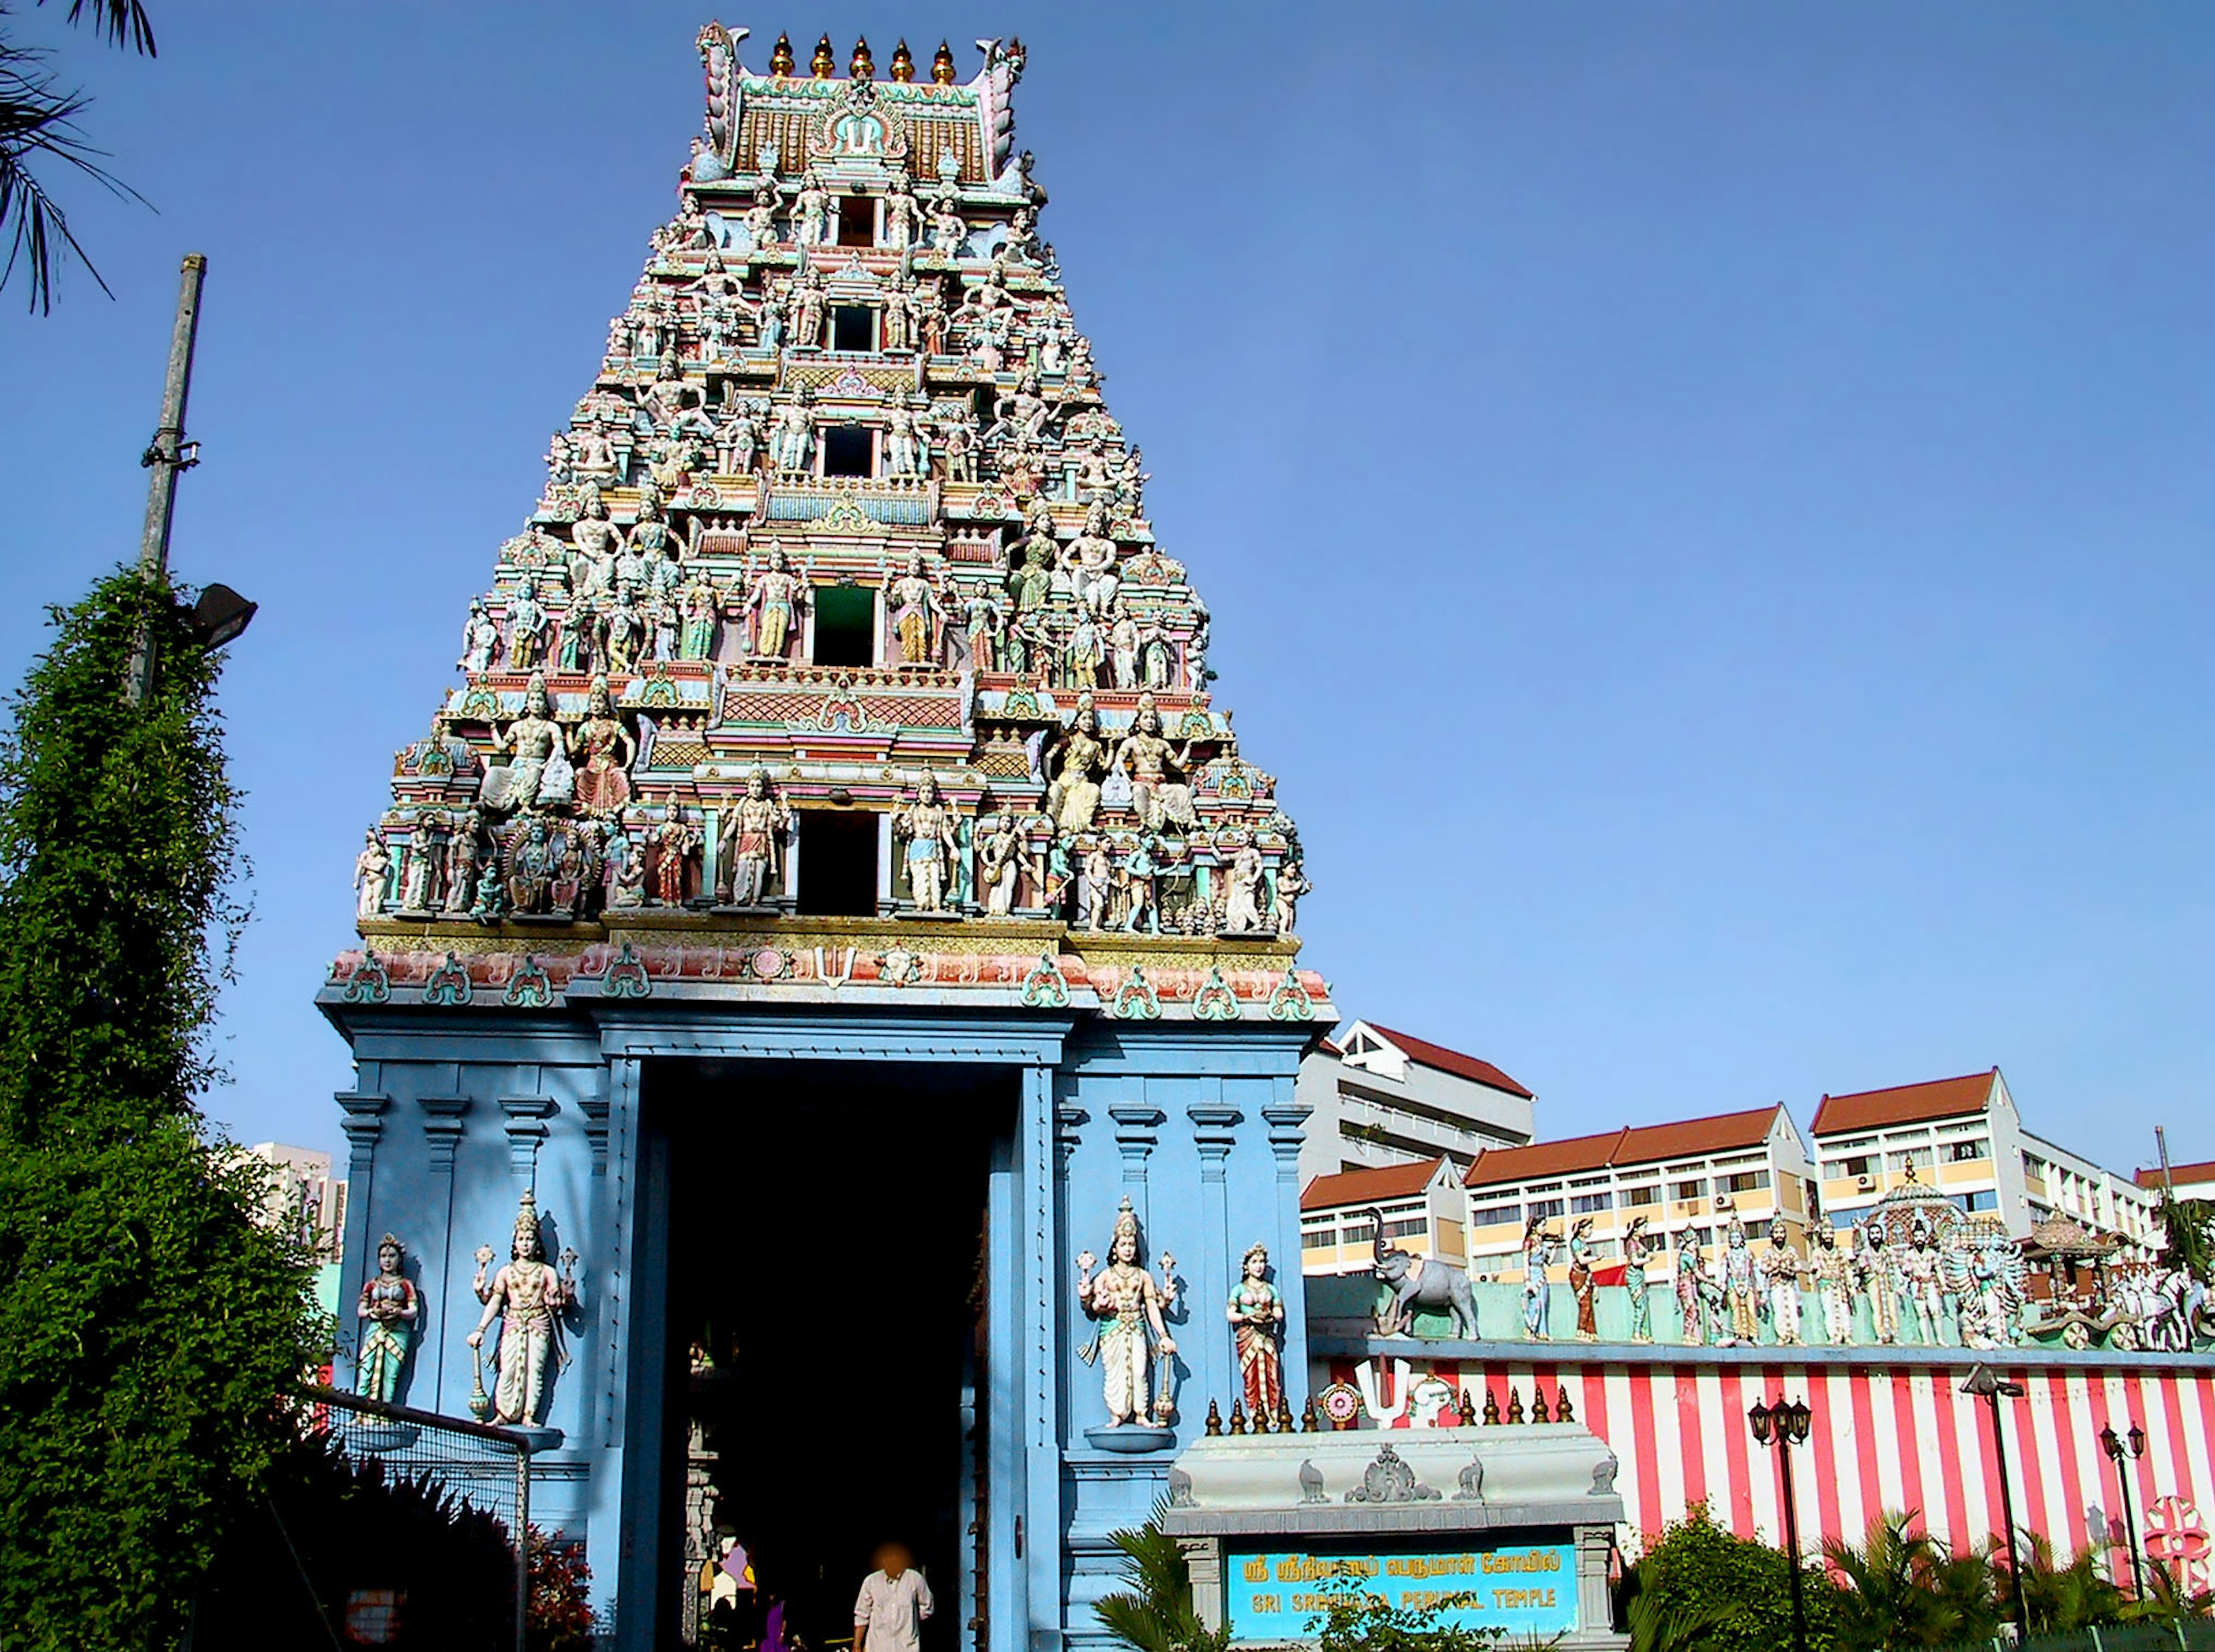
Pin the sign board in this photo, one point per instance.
(1525, 1589)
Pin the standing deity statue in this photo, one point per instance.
(750, 846)
(418, 882)
(1080, 758)
(903, 217)
(912, 607)
(899, 317)
(1123, 645)
(981, 614)
(1580, 1280)
(907, 451)
(1780, 1274)
(387, 1313)
(810, 303)
(776, 316)
(1082, 653)
(1988, 1307)
(601, 752)
(1740, 1284)
(1880, 1278)
(958, 441)
(1636, 1249)
(1140, 902)
(527, 1297)
(760, 231)
(534, 739)
(1256, 1309)
(626, 634)
(1160, 794)
(1537, 1293)
(371, 869)
(738, 441)
(528, 626)
(999, 858)
(462, 851)
(1834, 1268)
(773, 601)
(700, 607)
(1919, 1269)
(1098, 877)
(1690, 1309)
(928, 827)
(792, 440)
(1292, 884)
(676, 840)
(1243, 899)
(1126, 1298)
(479, 639)
(531, 864)
(811, 213)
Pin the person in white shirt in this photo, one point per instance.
(888, 1613)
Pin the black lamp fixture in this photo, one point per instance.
(1784, 1425)
(2122, 1451)
(1988, 1385)
(219, 616)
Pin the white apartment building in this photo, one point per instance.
(2196, 1181)
(1965, 1137)
(304, 1199)
(1691, 1173)
(1382, 1098)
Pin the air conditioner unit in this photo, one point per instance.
(1865, 1183)
(1723, 1201)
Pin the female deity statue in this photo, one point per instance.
(1880, 1275)
(1124, 1297)
(1689, 1281)
(1031, 583)
(913, 607)
(1636, 1249)
(1074, 795)
(370, 870)
(1537, 1294)
(601, 752)
(774, 601)
(1580, 1280)
(462, 851)
(981, 614)
(999, 857)
(701, 606)
(1257, 1309)
(928, 827)
(750, 843)
(958, 442)
(387, 1314)
(1780, 1272)
(675, 842)
(527, 1297)
(1739, 1285)
(419, 884)
(1292, 884)
(1241, 907)
(811, 213)
(1834, 1268)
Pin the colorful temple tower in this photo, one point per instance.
(830, 908)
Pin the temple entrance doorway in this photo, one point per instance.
(827, 1291)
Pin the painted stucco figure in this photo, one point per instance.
(527, 1297)
(1124, 1298)
(386, 1316)
(1256, 1310)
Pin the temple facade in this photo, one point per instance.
(826, 1008)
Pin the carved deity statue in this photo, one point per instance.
(810, 303)
(387, 1313)
(1123, 1296)
(1580, 1280)
(533, 740)
(371, 867)
(1242, 902)
(527, 1297)
(1880, 1278)
(1740, 1285)
(1256, 1309)
(999, 859)
(907, 450)
(1089, 562)
(750, 846)
(1691, 1295)
(1919, 1269)
(792, 440)
(1780, 1274)
(418, 882)
(811, 213)
(1292, 884)
(676, 841)
(1080, 758)
(1537, 1293)
(1636, 1247)
(773, 602)
(1160, 795)
(1833, 1268)
(738, 441)
(913, 608)
(602, 751)
(928, 825)
(479, 639)
(700, 609)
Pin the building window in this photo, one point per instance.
(1584, 1204)
(1543, 1209)
(838, 863)
(1746, 1180)
(1962, 1152)
(1317, 1231)
(1859, 1165)
(857, 221)
(1492, 1215)
(1648, 1195)
(853, 328)
(1404, 1226)
(1682, 1190)
(1907, 1158)
(1984, 1198)
(845, 625)
(849, 450)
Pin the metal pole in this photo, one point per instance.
(165, 456)
(522, 1549)
(2131, 1524)
(2007, 1514)
(1792, 1544)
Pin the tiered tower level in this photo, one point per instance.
(841, 611)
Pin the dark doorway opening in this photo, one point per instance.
(849, 450)
(857, 220)
(838, 863)
(826, 1247)
(853, 327)
(845, 625)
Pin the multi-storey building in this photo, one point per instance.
(2196, 1181)
(303, 1198)
(1381, 1097)
(1965, 1137)
(1695, 1173)
(1422, 1205)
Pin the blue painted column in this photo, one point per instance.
(442, 1125)
(363, 1124)
(1287, 1120)
(1210, 1356)
(1040, 1564)
(1006, 1492)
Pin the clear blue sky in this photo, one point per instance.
(1706, 509)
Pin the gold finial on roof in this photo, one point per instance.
(903, 64)
(864, 66)
(942, 65)
(781, 61)
(824, 61)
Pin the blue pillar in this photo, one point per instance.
(1041, 1544)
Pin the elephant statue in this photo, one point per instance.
(1420, 1282)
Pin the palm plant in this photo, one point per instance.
(1676, 1627)
(1906, 1590)
(2058, 1597)
(2167, 1599)
(38, 125)
(1154, 1613)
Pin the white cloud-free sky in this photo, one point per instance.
(1706, 509)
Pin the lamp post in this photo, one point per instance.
(2122, 1452)
(1784, 1427)
(1987, 1384)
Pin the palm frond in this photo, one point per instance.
(38, 122)
(121, 23)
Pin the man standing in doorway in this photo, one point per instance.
(894, 1600)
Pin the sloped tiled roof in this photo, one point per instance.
(1936, 1098)
(1425, 1053)
(1368, 1187)
(1637, 1143)
(2182, 1174)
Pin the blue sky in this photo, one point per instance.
(1706, 509)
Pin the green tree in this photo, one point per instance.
(1705, 1589)
(1355, 1620)
(2188, 1233)
(149, 1329)
(37, 125)
(1903, 1588)
(2056, 1597)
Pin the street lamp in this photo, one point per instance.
(1784, 1427)
(1985, 1383)
(2122, 1452)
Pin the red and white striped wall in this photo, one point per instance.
(1883, 1438)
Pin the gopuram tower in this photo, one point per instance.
(826, 1006)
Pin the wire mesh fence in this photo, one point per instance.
(2180, 1635)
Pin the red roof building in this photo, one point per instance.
(1380, 1098)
